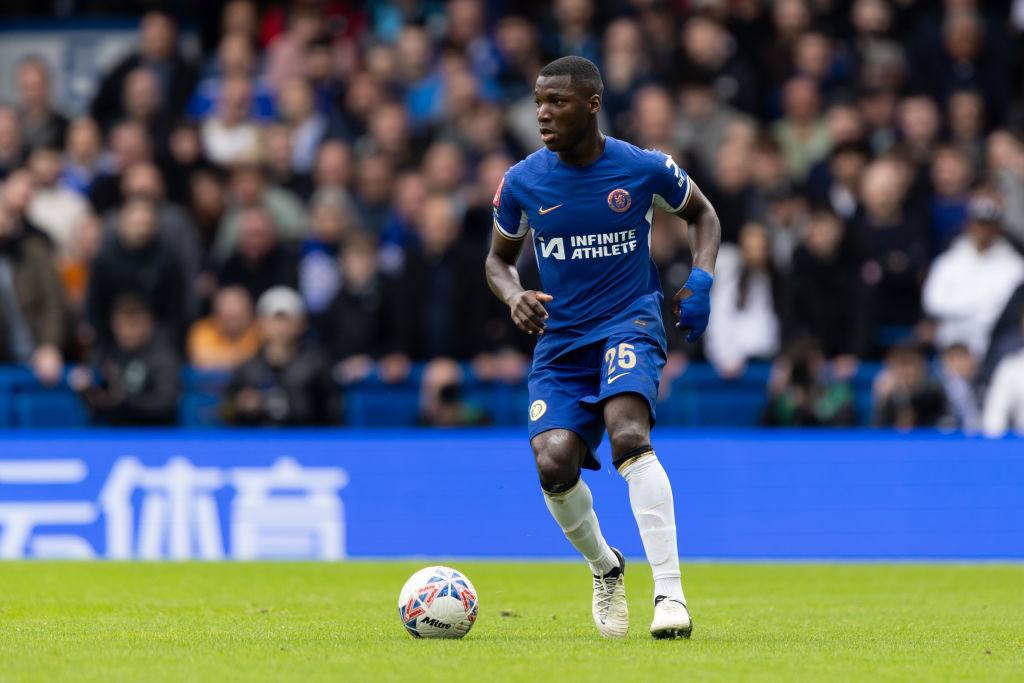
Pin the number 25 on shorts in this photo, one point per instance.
(623, 359)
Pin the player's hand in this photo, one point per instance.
(693, 304)
(528, 312)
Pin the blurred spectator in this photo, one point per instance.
(12, 152)
(83, 156)
(516, 41)
(970, 283)
(228, 336)
(801, 133)
(1005, 337)
(400, 228)
(891, 239)
(75, 264)
(967, 124)
(158, 51)
(703, 121)
(920, 126)
(137, 260)
(16, 196)
(249, 190)
(184, 158)
(33, 320)
(444, 168)
(388, 133)
(129, 145)
(441, 297)
(572, 33)
(231, 136)
(709, 55)
(138, 381)
(653, 120)
(802, 395)
(959, 370)
(826, 297)
(786, 215)
(285, 54)
(260, 261)
(174, 224)
(53, 208)
(1004, 403)
(966, 56)
(840, 183)
(333, 167)
(277, 144)
(143, 104)
(624, 70)
(286, 383)
(41, 124)
(904, 395)
(207, 203)
(1004, 156)
(363, 320)
(747, 292)
(951, 176)
(733, 190)
(307, 125)
(441, 401)
(235, 58)
(878, 108)
(375, 179)
(332, 223)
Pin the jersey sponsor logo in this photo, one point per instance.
(537, 410)
(552, 247)
(497, 195)
(597, 245)
(543, 211)
(619, 200)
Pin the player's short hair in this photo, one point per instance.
(582, 73)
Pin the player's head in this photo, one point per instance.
(568, 96)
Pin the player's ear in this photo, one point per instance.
(594, 104)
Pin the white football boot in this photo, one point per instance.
(671, 619)
(611, 614)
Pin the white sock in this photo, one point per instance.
(574, 512)
(650, 496)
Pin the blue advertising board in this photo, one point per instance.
(474, 493)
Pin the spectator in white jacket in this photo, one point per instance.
(970, 282)
(1004, 403)
(744, 324)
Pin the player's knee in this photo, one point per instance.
(628, 438)
(557, 471)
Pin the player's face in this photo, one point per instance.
(562, 112)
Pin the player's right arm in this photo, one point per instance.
(510, 228)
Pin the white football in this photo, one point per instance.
(437, 602)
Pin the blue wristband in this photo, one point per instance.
(699, 281)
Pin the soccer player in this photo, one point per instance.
(601, 346)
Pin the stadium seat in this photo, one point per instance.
(371, 404)
(48, 409)
(199, 409)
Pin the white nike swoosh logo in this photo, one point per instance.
(615, 377)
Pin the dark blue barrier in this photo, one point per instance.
(697, 398)
(739, 494)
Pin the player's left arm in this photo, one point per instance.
(692, 307)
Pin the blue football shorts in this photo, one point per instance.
(568, 391)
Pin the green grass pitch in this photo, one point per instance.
(339, 622)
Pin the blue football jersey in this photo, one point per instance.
(591, 233)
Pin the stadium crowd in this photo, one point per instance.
(309, 201)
